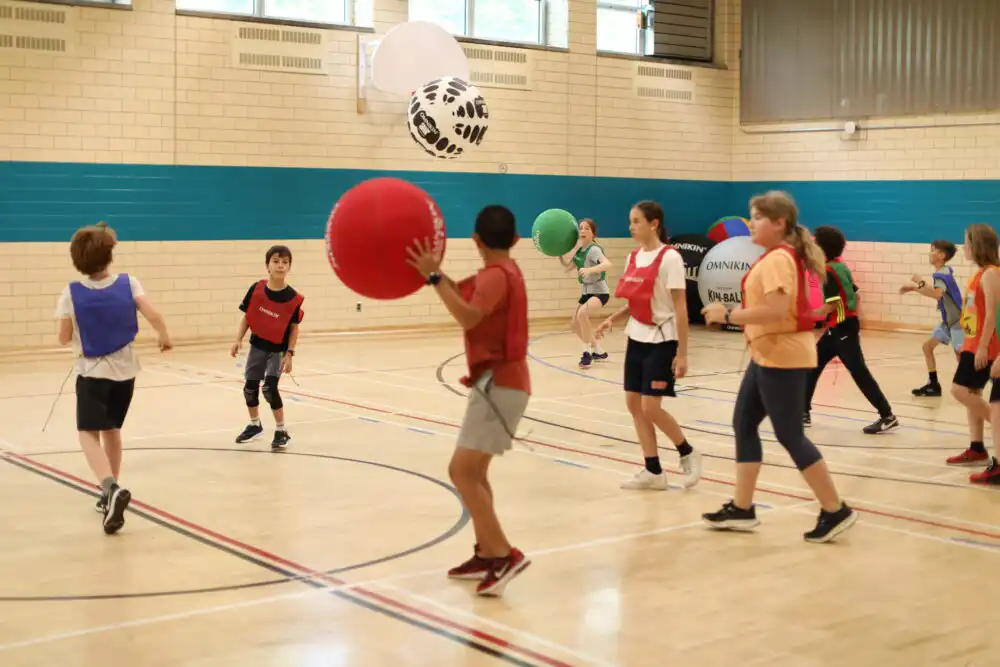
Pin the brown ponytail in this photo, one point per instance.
(778, 205)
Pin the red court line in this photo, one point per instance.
(608, 457)
(302, 569)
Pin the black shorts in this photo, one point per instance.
(966, 374)
(995, 392)
(649, 368)
(584, 298)
(101, 404)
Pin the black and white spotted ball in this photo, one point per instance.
(448, 117)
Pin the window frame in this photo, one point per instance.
(97, 4)
(259, 16)
(542, 39)
(643, 41)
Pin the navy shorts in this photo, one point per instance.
(649, 368)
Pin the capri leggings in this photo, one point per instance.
(778, 393)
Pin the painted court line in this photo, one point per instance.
(796, 495)
(470, 637)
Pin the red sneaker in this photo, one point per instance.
(968, 457)
(502, 570)
(989, 476)
(473, 569)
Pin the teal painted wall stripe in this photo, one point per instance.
(41, 201)
(48, 201)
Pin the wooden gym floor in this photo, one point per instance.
(334, 552)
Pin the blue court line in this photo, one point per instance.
(370, 419)
(965, 540)
(720, 400)
(420, 430)
(571, 463)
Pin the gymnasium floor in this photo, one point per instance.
(334, 552)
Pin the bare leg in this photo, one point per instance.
(746, 484)
(644, 427)
(652, 410)
(90, 442)
(977, 409)
(928, 348)
(468, 470)
(818, 478)
(112, 441)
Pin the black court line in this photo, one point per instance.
(288, 574)
(459, 524)
(686, 427)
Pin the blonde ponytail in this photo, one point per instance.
(811, 254)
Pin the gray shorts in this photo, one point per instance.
(261, 363)
(953, 337)
(482, 429)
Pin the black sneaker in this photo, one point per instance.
(929, 389)
(731, 517)
(807, 420)
(831, 524)
(881, 425)
(280, 441)
(102, 504)
(249, 433)
(585, 360)
(114, 514)
(599, 356)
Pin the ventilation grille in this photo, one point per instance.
(279, 49)
(29, 27)
(666, 84)
(500, 67)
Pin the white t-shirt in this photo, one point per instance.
(120, 365)
(671, 277)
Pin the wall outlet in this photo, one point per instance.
(357, 307)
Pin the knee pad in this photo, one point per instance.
(250, 393)
(271, 394)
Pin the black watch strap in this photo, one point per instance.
(434, 278)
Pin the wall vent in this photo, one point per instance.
(279, 49)
(30, 27)
(500, 67)
(667, 84)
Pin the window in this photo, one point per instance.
(340, 12)
(618, 28)
(525, 21)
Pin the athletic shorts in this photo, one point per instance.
(954, 336)
(102, 404)
(966, 374)
(492, 415)
(649, 368)
(584, 298)
(995, 392)
(261, 363)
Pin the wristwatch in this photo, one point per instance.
(290, 353)
(434, 278)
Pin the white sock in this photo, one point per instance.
(586, 348)
(597, 348)
(255, 421)
(279, 427)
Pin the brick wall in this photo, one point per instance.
(150, 87)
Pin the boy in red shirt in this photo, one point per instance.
(492, 308)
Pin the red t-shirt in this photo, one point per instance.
(490, 297)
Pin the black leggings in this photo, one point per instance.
(844, 341)
(778, 393)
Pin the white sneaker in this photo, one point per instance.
(645, 480)
(691, 466)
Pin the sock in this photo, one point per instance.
(255, 421)
(653, 465)
(586, 348)
(684, 448)
(933, 377)
(597, 348)
(279, 427)
(978, 447)
(106, 485)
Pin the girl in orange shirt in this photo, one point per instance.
(778, 326)
(980, 347)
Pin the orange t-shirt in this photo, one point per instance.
(777, 344)
(974, 316)
(490, 297)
